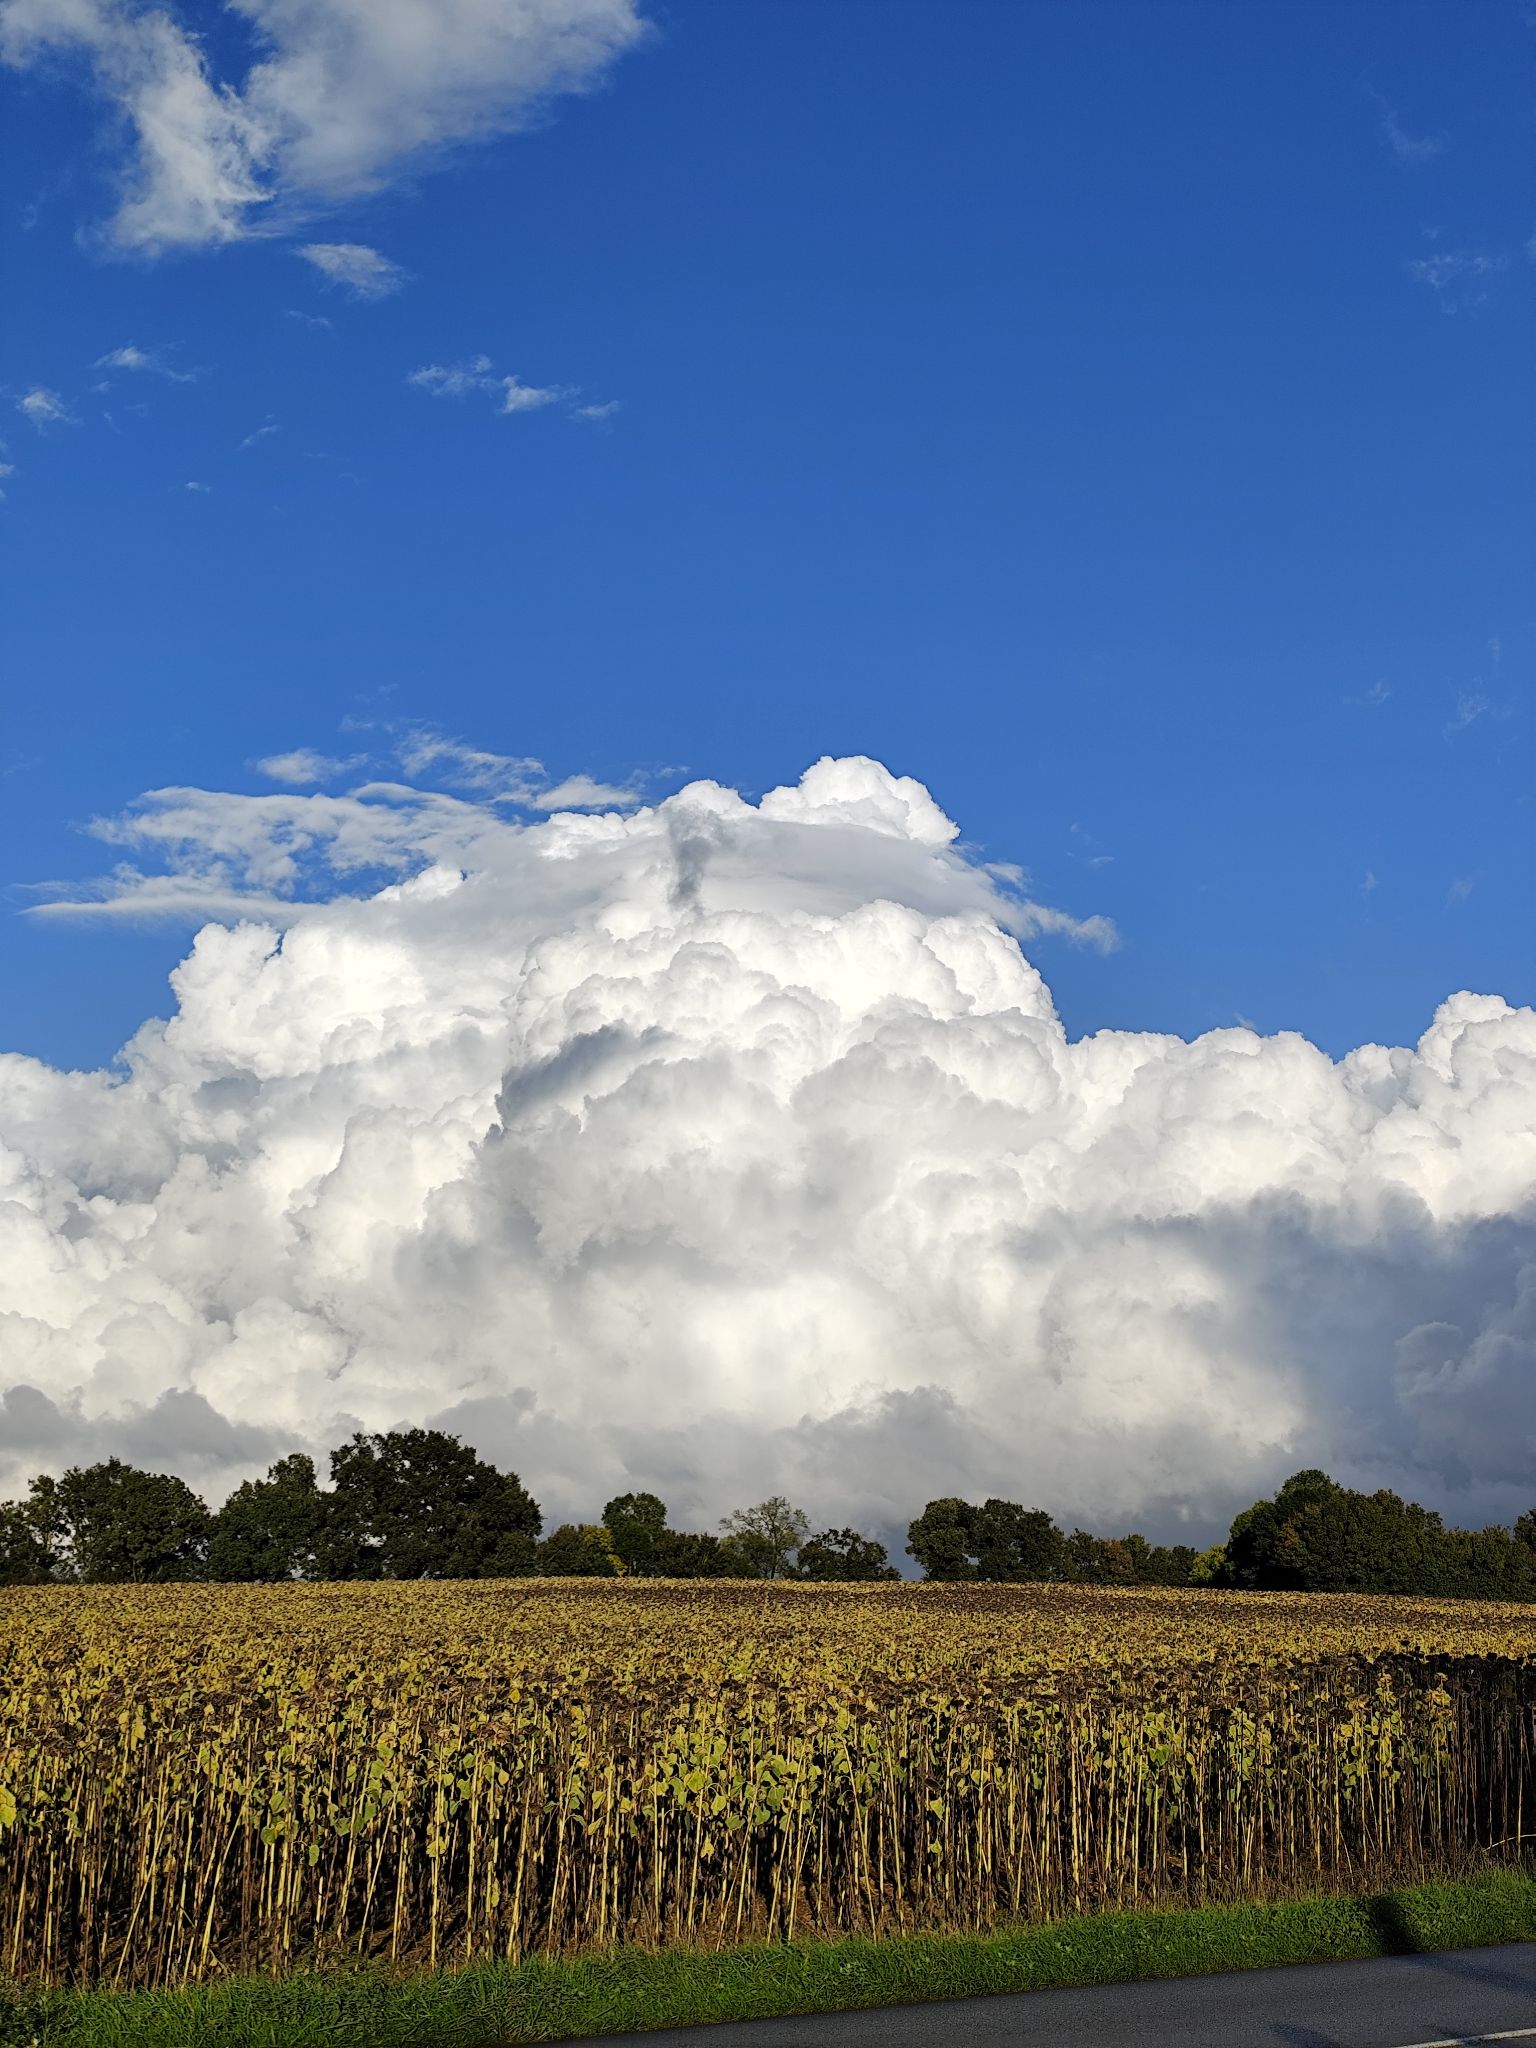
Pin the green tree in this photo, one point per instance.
(637, 1523)
(763, 1540)
(1169, 1564)
(271, 1529)
(943, 1539)
(113, 1524)
(1318, 1537)
(695, 1554)
(1101, 1560)
(1210, 1567)
(998, 1541)
(843, 1554)
(1015, 1544)
(25, 1556)
(419, 1504)
(578, 1551)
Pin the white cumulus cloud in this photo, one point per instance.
(338, 95)
(725, 1147)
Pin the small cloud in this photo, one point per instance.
(519, 397)
(596, 412)
(131, 357)
(307, 319)
(45, 408)
(1460, 890)
(458, 380)
(454, 380)
(203, 490)
(1407, 149)
(1373, 698)
(1471, 705)
(357, 268)
(1369, 885)
(1459, 278)
(582, 793)
(261, 433)
(303, 766)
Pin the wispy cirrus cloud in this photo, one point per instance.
(1471, 705)
(336, 100)
(507, 778)
(150, 360)
(1406, 149)
(460, 380)
(1373, 698)
(1461, 279)
(358, 269)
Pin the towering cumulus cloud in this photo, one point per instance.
(726, 1148)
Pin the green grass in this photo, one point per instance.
(495, 2006)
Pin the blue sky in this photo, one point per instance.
(1118, 417)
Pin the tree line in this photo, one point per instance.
(421, 1504)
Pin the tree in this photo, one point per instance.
(763, 1540)
(1318, 1537)
(1102, 1561)
(25, 1556)
(636, 1522)
(1016, 1544)
(1126, 1561)
(1169, 1564)
(998, 1541)
(695, 1554)
(943, 1539)
(112, 1524)
(843, 1554)
(1209, 1567)
(1525, 1529)
(271, 1529)
(578, 1551)
(419, 1504)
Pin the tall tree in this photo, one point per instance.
(111, 1523)
(25, 1556)
(270, 1529)
(943, 1539)
(419, 1504)
(636, 1522)
(764, 1539)
(998, 1541)
(1017, 1544)
(843, 1554)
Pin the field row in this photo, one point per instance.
(194, 1779)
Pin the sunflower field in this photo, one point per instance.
(196, 1780)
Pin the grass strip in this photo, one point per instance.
(633, 1990)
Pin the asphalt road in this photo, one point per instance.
(1472, 1995)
